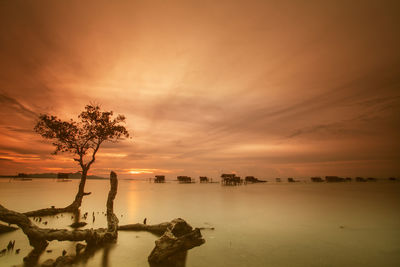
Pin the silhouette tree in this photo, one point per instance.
(81, 138)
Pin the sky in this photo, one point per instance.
(264, 88)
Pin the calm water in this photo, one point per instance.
(255, 225)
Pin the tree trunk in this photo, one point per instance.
(170, 250)
(81, 192)
(157, 229)
(6, 228)
(39, 237)
(73, 207)
(178, 238)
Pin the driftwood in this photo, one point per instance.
(170, 250)
(78, 224)
(178, 238)
(39, 237)
(157, 229)
(72, 208)
(6, 228)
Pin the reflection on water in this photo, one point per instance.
(105, 258)
(132, 201)
(178, 260)
(300, 224)
(84, 257)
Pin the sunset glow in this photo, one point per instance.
(197, 133)
(140, 171)
(275, 87)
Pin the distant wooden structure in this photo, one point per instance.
(230, 179)
(184, 179)
(360, 179)
(204, 179)
(63, 177)
(317, 180)
(22, 177)
(278, 180)
(159, 179)
(291, 180)
(334, 179)
(252, 179)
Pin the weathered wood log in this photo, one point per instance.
(157, 229)
(77, 224)
(112, 219)
(73, 207)
(178, 238)
(39, 237)
(48, 211)
(6, 228)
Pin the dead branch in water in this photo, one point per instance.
(82, 138)
(39, 237)
(176, 236)
(6, 228)
(157, 229)
(72, 208)
(177, 239)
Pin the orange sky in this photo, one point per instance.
(264, 88)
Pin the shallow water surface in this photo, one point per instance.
(301, 224)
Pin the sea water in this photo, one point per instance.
(270, 224)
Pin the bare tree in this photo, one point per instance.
(176, 237)
(81, 138)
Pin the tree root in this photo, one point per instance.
(6, 228)
(72, 208)
(39, 237)
(157, 229)
(176, 238)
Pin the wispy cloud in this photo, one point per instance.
(265, 87)
(16, 106)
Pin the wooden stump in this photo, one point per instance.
(177, 239)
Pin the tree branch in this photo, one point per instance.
(48, 211)
(94, 154)
(178, 238)
(38, 237)
(94, 128)
(157, 229)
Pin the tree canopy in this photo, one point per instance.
(84, 136)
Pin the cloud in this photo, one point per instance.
(16, 106)
(207, 86)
